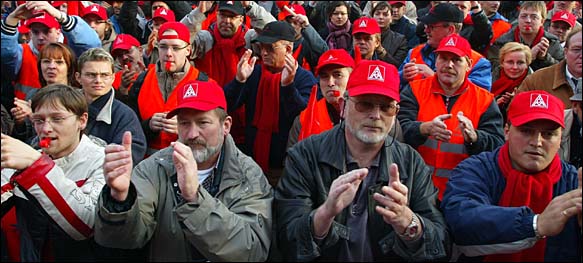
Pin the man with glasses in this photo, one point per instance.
(442, 20)
(108, 118)
(55, 189)
(153, 93)
(545, 47)
(381, 203)
(446, 117)
(273, 93)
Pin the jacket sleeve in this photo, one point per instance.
(481, 74)
(201, 40)
(482, 32)
(129, 22)
(259, 16)
(489, 130)
(479, 226)
(408, 118)
(80, 35)
(240, 231)
(11, 51)
(294, 98)
(70, 206)
(294, 133)
(317, 44)
(400, 53)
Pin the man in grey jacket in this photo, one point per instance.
(353, 193)
(198, 199)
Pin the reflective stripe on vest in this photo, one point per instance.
(28, 81)
(444, 156)
(150, 101)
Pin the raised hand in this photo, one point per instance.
(437, 128)
(289, 70)
(170, 125)
(343, 190)
(16, 154)
(467, 128)
(117, 167)
(245, 66)
(393, 202)
(21, 111)
(187, 171)
(157, 121)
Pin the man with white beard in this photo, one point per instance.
(198, 199)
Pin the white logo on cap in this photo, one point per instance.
(119, 41)
(190, 92)
(565, 16)
(230, 3)
(163, 12)
(362, 23)
(331, 57)
(541, 101)
(94, 9)
(376, 74)
(450, 42)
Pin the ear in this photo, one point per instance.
(227, 125)
(470, 63)
(83, 120)
(78, 77)
(506, 131)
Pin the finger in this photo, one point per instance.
(112, 166)
(445, 116)
(289, 10)
(394, 174)
(127, 141)
(413, 60)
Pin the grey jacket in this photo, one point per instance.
(310, 168)
(234, 225)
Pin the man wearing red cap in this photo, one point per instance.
(446, 117)
(161, 16)
(199, 199)
(96, 16)
(153, 93)
(561, 24)
(561, 6)
(127, 52)
(48, 25)
(366, 34)
(520, 202)
(380, 205)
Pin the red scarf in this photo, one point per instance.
(532, 190)
(505, 84)
(537, 39)
(266, 117)
(221, 64)
(468, 20)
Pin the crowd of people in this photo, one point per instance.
(291, 130)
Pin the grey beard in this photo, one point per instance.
(201, 156)
(366, 139)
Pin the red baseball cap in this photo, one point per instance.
(456, 44)
(95, 9)
(57, 4)
(182, 31)
(298, 9)
(565, 16)
(166, 14)
(124, 42)
(535, 105)
(397, 2)
(199, 95)
(45, 19)
(366, 25)
(374, 77)
(334, 57)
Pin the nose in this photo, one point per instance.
(537, 139)
(330, 81)
(46, 128)
(375, 113)
(192, 132)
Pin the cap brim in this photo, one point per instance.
(332, 63)
(266, 39)
(236, 12)
(429, 19)
(532, 116)
(453, 50)
(198, 105)
(375, 89)
(563, 20)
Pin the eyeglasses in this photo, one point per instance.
(93, 75)
(269, 47)
(339, 14)
(576, 51)
(432, 27)
(228, 15)
(532, 17)
(365, 106)
(174, 49)
(57, 120)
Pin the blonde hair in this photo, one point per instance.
(515, 47)
(539, 6)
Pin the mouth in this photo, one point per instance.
(535, 153)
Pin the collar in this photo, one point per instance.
(104, 104)
(351, 161)
(570, 77)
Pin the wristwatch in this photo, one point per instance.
(412, 229)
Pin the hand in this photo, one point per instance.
(127, 79)
(204, 6)
(302, 20)
(553, 219)
(467, 128)
(152, 41)
(157, 121)
(245, 4)
(187, 171)
(393, 203)
(117, 167)
(40, 6)
(381, 51)
(425, 70)
(437, 128)
(342, 191)
(20, 13)
(245, 66)
(539, 51)
(505, 98)
(22, 111)
(170, 125)
(410, 70)
(289, 70)
(477, 5)
(16, 154)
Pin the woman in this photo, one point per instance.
(338, 30)
(393, 48)
(514, 60)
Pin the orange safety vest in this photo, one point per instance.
(315, 120)
(150, 101)
(499, 27)
(28, 81)
(117, 80)
(416, 54)
(441, 156)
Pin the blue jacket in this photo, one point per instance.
(80, 37)
(292, 100)
(474, 218)
(109, 118)
(407, 28)
(481, 73)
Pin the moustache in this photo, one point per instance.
(196, 142)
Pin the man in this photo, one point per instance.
(545, 47)
(333, 70)
(366, 34)
(403, 24)
(160, 16)
(273, 93)
(56, 189)
(127, 52)
(500, 24)
(575, 136)
(153, 93)
(19, 61)
(561, 25)
(200, 199)
(519, 202)
(446, 117)
(108, 117)
(96, 16)
(476, 27)
(393, 44)
(561, 6)
(563, 79)
(442, 20)
(369, 213)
